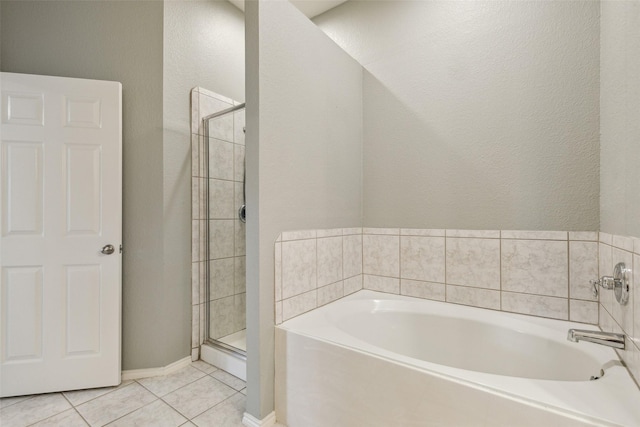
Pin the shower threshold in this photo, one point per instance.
(237, 340)
(223, 356)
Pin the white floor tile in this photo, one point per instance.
(208, 400)
(8, 401)
(199, 396)
(204, 366)
(78, 397)
(226, 414)
(168, 383)
(68, 418)
(233, 382)
(156, 414)
(116, 404)
(33, 410)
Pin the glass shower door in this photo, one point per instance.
(225, 266)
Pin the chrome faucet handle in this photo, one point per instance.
(606, 282)
(594, 287)
(619, 282)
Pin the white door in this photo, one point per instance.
(61, 204)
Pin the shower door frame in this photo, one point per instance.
(226, 348)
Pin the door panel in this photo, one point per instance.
(25, 108)
(61, 203)
(83, 309)
(22, 189)
(22, 319)
(83, 170)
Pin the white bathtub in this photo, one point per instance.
(374, 359)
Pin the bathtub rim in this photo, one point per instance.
(615, 391)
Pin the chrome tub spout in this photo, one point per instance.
(609, 339)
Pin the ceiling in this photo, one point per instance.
(310, 8)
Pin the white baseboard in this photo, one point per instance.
(136, 374)
(250, 421)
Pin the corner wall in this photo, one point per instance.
(620, 168)
(620, 118)
(301, 173)
(477, 114)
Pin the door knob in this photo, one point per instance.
(108, 249)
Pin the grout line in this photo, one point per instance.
(445, 267)
(568, 280)
(131, 412)
(500, 268)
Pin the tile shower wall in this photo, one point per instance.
(540, 273)
(613, 316)
(315, 267)
(227, 290)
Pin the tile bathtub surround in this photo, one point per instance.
(199, 394)
(316, 267)
(540, 273)
(224, 177)
(614, 317)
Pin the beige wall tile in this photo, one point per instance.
(299, 304)
(329, 260)
(331, 232)
(484, 298)
(534, 235)
(353, 284)
(221, 199)
(482, 234)
(426, 290)
(422, 232)
(381, 255)
(623, 314)
(535, 267)
(473, 262)
(278, 271)
(329, 293)
(298, 267)
(389, 285)
(221, 278)
(352, 256)
(221, 159)
(422, 258)
(221, 236)
(537, 305)
(583, 267)
(590, 236)
(387, 231)
(583, 311)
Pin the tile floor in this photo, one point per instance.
(198, 395)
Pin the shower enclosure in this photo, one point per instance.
(225, 229)
(221, 231)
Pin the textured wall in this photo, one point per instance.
(620, 118)
(477, 114)
(203, 46)
(303, 142)
(101, 40)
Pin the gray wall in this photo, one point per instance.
(159, 51)
(477, 114)
(119, 41)
(620, 118)
(203, 46)
(304, 158)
